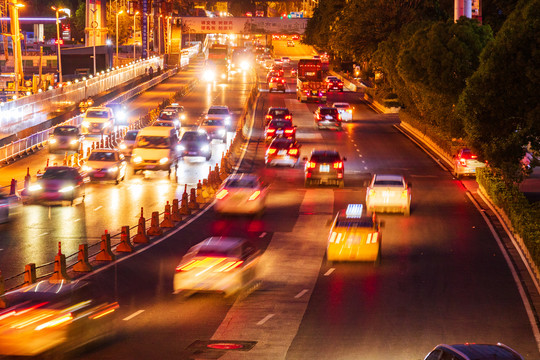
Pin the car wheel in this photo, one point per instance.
(208, 157)
(456, 174)
(117, 181)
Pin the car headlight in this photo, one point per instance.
(107, 124)
(73, 142)
(205, 148)
(223, 75)
(177, 123)
(113, 169)
(137, 160)
(121, 115)
(35, 187)
(85, 124)
(86, 168)
(228, 120)
(209, 75)
(180, 148)
(52, 141)
(66, 189)
(163, 160)
(221, 132)
(182, 117)
(244, 65)
(122, 146)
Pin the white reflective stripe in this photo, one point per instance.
(338, 238)
(333, 236)
(375, 235)
(368, 238)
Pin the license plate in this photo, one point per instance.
(150, 166)
(279, 132)
(99, 174)
(324, 168)
(192, 153)
(282, 152)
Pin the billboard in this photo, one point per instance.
(243, 25)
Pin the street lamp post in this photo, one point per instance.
(134, 17)
(94, 25)
(58, 55)
(118, 13)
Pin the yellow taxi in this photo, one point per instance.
(354, 237)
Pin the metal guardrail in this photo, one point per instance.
(31, 143)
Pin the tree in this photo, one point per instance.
(500, 106)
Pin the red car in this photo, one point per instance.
(277, 113)
(277, 83)
(333, 84)
(277, 128)
(282, 151)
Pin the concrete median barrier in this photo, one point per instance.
(142, 236)
(125, 243)
(105, 253)
(167, 219)
(154, 229)
(82, 265)
(175, 211)
(60, 269)
(29, 273)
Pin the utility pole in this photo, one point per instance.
(94, 27)
(15, 37)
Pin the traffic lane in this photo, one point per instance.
(440, 260)
(106, 206)
(299, 50)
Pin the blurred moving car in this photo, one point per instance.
(473, 352)
(196, 143)
(120, 113)
(273, 73)
(285, 59)
(106, 164)
(345, 110)
(50, 319)
(218, 264)
(354, 236)
(325, 167)
(220, 112)
(389, 193)
(241, 194)
(182, 114)
(170, 115)
(290, 43)
(128, 142)
(280, 128)
(466, 163)
(168, 123)
(65, 138)
(282, 151)
(215, 128)
(59, 183)
(277, 83)
(333, 84)
(277, 113)
(97, 120)
(156, 148)
(327, 117)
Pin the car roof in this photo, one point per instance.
(386, 177)
(341, 103)
(326, 107)
(282, 140)
(324, 152)
(243, 176)
(277, 108)
(219, 107)
(66, 127)
(104, 150)
(483, 351)
(221, 243)
(98, 108)
(156, 131)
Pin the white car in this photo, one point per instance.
(345, 110)
(466, 163)
(241, 194)
(220, 264)
(97, 120)
(388, 193)
(220, 112)
(285, 59)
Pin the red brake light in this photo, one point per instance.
(270, 131)
(283, 81)
(255, 195)
(340, 84)
(288, 117)
(311, 165)
(221, 194)
(230, 265)
(473, 156)
(463, 162)
(338, 165)
(293, 151)
(269, 117)
(289, 131)
(271, 151)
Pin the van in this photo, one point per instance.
(156, 148)
(354, 237)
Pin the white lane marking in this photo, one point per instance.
(509, 263)
(1, 249)
(265, 319)
(136, 313)
(99, 207)
(365, 167)
(43, 234)
(76, 220)
(300, 294)
(358, 150)
(331, 270)
(262, 235)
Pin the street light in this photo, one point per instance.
(58, 55)
(15, 32)
(118, 13)
(134, 17)
(94, 25)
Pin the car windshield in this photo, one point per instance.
(167, 115)
(131, 135)
(102, 156)
(164, 123)
(388, 183)
(153, 142)
(66, 131)
(60, 174)
(346, 222)
(281, 144)
(218, 111)
(241, 183)
(325, 158)
(194, 136)
(328, 111)
(103, 114)
(213, 122)
(279, 112)
(341, 106)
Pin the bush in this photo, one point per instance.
(523, 215)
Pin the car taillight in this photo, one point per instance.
(255, 195)
(371, 192)
(55, 322)
(473, 156)
(288, 117)
(268, 117)
(340, 84)
(311, 165)
(270, 131)
(221, 194)
(339, 117)
(338, 165)
(463, 162)
(270, 151)
(349, 111)
(404, 194)
(283, 81)
(229, 265)
(289, 131)
(372, 238)
(293, 151)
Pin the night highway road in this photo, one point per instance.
(442, 278)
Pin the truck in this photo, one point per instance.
(310, 81)
(217, 64)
